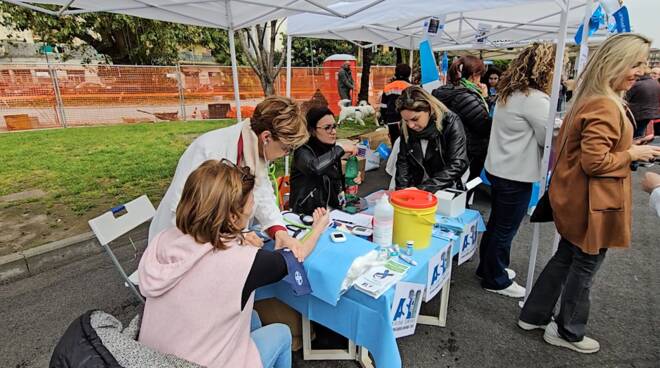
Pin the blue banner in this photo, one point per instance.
(427, 61)
(597, 18)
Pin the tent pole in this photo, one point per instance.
(412, 54)
(288, 90)
(584, 48)
(554, 99)
(234, 74)
(288, 65)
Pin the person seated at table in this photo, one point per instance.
(432, 154)
(316, 175)
(199, 277)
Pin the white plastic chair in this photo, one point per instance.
(113, 224)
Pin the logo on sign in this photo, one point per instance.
(299, 278)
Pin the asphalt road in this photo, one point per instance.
(481, 330)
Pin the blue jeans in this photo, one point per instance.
(273, 342)
(509, 202)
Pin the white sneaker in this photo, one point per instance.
(511, 273)
(514, 291)
(586, 346)
(529, 327)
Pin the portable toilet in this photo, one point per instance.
(331, 66)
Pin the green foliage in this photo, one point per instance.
(121, 39)
(312, 51)
(384, 58)
(501, 64)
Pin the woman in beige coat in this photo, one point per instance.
(590, 191)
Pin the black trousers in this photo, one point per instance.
(572, 271)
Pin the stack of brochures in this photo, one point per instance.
(379, 278)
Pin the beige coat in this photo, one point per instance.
(590, 191)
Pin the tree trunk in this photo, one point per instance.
(399, 56)
(364, 80)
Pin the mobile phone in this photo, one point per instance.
(337, 237)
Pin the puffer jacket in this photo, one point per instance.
(470, 107)
(316, 177)
(98, 340)
(443, 165)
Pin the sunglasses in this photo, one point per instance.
(329, 128)
(245, 171)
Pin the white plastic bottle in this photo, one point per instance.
(383, 222)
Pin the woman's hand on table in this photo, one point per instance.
(253, 239)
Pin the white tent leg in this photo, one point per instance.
(554, 99)
(412, 54)
(288, 90)
(234, 73)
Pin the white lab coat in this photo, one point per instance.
(216, 145)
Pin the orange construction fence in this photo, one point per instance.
(51, 95)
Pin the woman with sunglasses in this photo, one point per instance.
(432, 154)
(316, 175)
(275, 129)
(199, 276)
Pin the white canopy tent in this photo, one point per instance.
(230, 15)
(505, 23)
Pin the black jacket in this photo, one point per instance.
(470, 107)
(444, 163)
(643, 99)
(316, 177)
(82, 347)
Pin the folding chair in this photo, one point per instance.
(117, 222)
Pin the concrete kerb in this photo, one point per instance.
(52, 255)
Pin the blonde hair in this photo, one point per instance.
(607, 66)
(533, 68)
(415, 98)
(212, 202)
(281, 116)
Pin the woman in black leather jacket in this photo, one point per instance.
(432, 154)
(467, 97)
(316, 176)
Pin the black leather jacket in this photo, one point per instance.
(316, 177)
(469, 106)
(443, 165)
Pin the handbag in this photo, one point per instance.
(543, 210)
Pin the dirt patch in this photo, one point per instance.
(27, 225)
(20, 196)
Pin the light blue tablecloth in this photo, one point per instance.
(356, 315)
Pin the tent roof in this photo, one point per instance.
(387, 23)
(225, 14)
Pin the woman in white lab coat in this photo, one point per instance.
(276, 128)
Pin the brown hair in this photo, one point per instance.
(280, 116)
(465, 67)
(212, 202)
(415, 98)
(533, 68)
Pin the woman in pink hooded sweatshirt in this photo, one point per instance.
(199, 278)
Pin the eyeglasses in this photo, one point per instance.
(329, 128)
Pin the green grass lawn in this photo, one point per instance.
(85, 171)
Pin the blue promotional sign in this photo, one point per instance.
(468, 242)
(622, 19)
(427, 61)
(405, 308)
(439, 272)
(597, 18)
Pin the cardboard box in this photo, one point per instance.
(451, 202)
(377, 137)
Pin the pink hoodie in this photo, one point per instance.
(193, 307)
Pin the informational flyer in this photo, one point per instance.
(438, 273)
(468, 242)
(405, 308)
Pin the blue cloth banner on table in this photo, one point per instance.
(337, 257)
